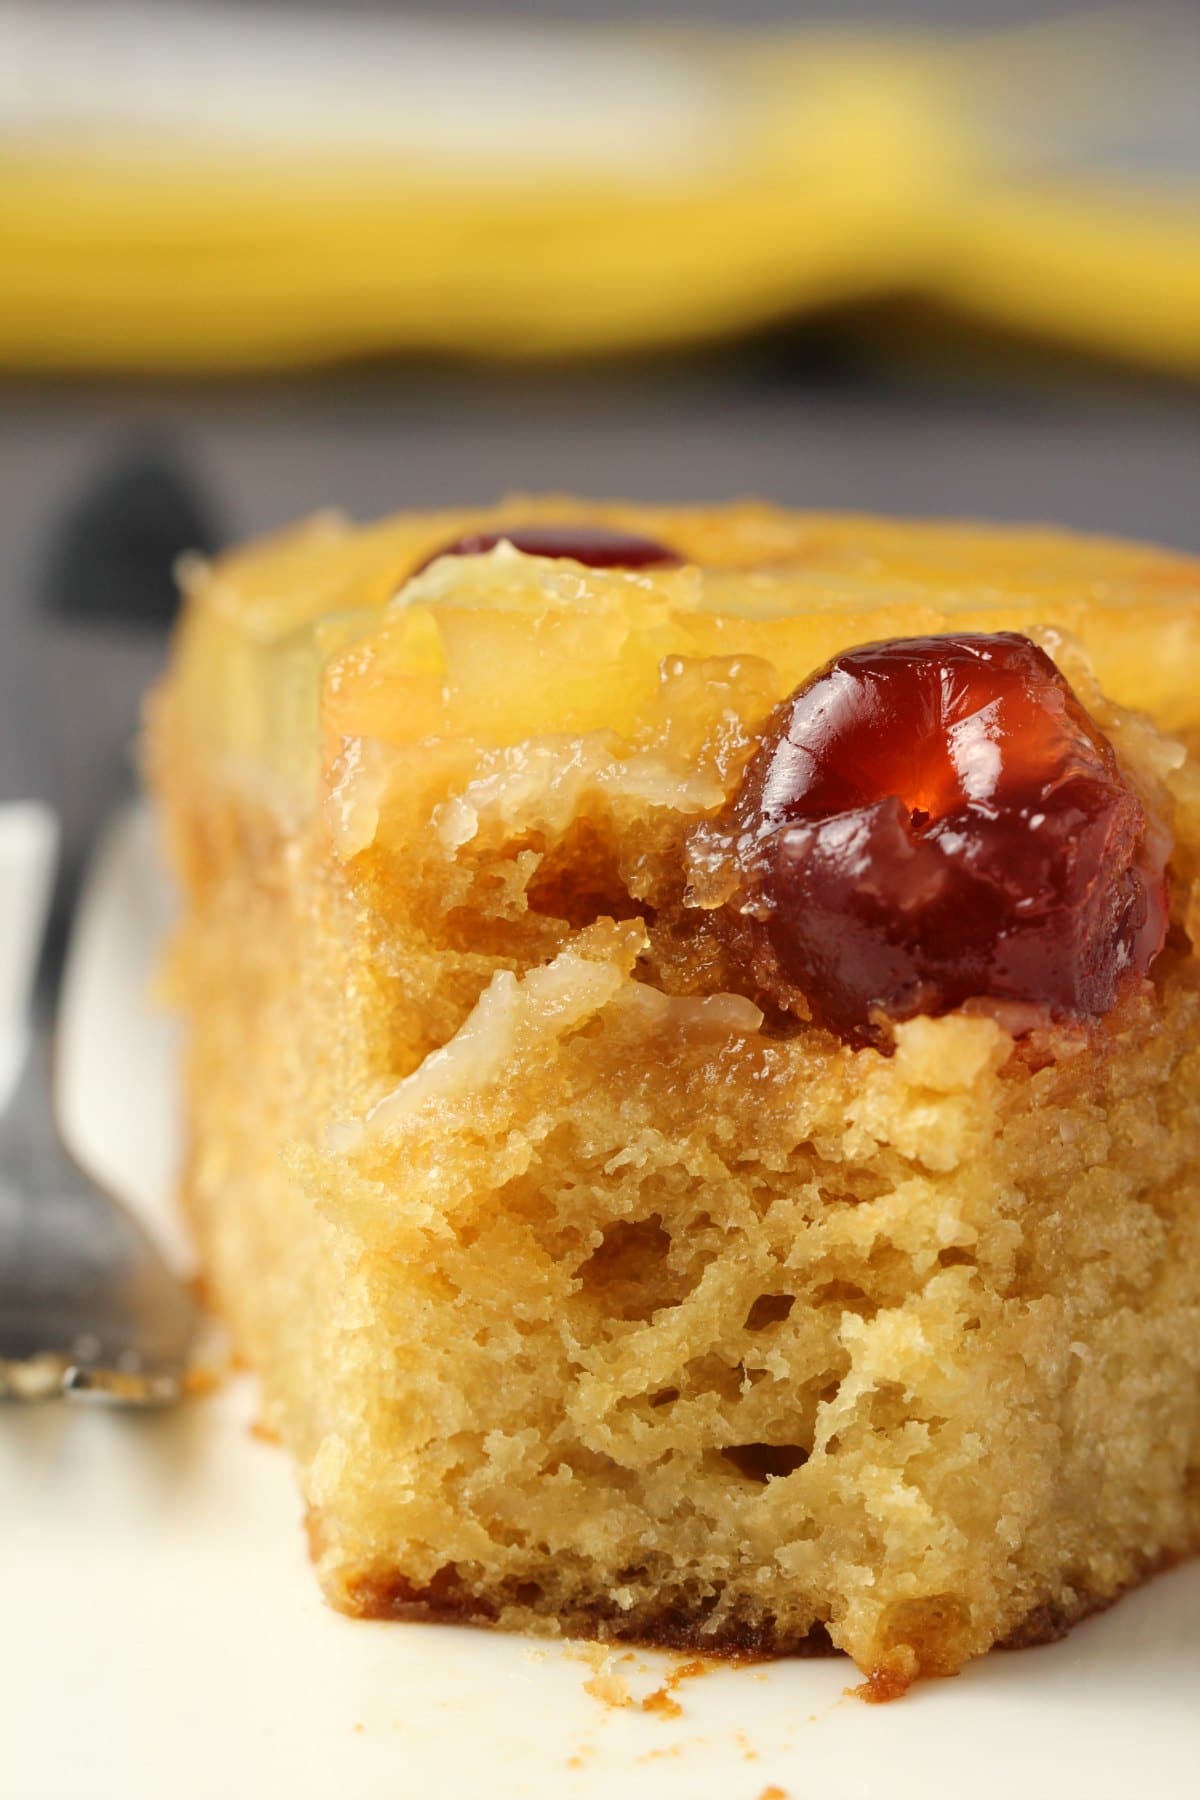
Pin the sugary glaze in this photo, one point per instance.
(593, 1284)
(790, 589)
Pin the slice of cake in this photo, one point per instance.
(694, 1064)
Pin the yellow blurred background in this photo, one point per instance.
(201, 186)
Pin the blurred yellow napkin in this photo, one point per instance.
(203, 187)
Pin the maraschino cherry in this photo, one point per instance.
(596, 546)
(934, 820)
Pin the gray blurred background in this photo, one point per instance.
(831, 412)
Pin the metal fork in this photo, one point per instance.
(88, 1307)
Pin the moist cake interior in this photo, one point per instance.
(590, 1292)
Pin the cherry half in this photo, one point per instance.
(596, 546)
(938, 819)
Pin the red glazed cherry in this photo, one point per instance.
(933, 820)
(594, 545)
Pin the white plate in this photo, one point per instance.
(162, 1633)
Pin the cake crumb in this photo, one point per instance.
(606, 1685)
(695, 1665)
(661, 1701)
(608, 1688)
(773, 1793)
(262, 1432)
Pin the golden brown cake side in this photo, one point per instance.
(587, 1304)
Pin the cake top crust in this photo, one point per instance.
(475, 732)
(327, 563)
(426, 681)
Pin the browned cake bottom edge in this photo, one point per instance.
(387, 1594)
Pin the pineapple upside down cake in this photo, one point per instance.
(693, 1063)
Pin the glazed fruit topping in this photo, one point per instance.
(596, 546)
(933, 820)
